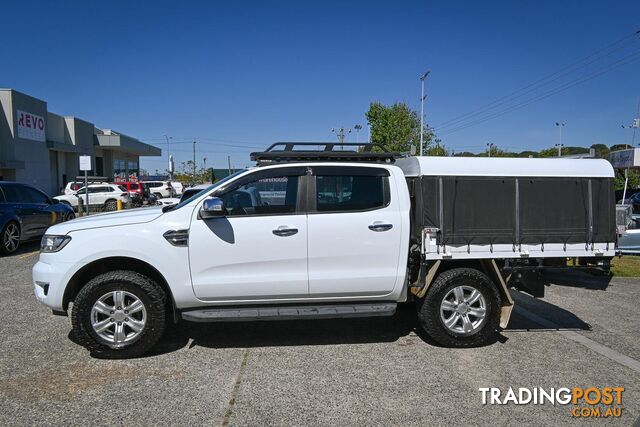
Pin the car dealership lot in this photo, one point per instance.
(357, 371)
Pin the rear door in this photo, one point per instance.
(354, 232)
(37, 210)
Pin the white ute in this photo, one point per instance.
(331, 233)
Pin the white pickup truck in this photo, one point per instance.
(331, 233)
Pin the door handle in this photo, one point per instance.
(380, 226)
(284, 231)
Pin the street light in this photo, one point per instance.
(169, 157)
(560, 145)
(357, 128)
(422, 97)
(490, 146)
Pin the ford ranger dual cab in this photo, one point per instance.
(331, 233)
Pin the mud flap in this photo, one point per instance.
(529, 281)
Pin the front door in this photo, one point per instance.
(259, 249)
(354, 232)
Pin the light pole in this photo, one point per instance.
(490, 146)
(422, 96)
(357, 128)
(560, 145)
(169, 157)
(194, 161)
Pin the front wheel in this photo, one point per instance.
(119, 314)
(10, 238)
(461, 309)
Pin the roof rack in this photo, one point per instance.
(323, 151)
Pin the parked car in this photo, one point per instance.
(634, 201)
(105, 195)
(167, 201)
(134, 189)
(178, 187)
(263, 245)
(191, 191)
(26, 213)
(159, 189)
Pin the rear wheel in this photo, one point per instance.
(119, 314)
(461, 309)
(10, 238)
(110, 205)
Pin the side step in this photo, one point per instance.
(241, 314)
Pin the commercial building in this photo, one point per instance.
(42, 148)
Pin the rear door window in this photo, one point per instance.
(31, 195)
(351, 189)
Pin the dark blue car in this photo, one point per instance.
(26, 213)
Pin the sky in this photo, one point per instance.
(239, 75)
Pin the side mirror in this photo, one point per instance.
(212, 208)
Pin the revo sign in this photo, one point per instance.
(30, 126)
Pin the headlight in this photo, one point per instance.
(50, 243)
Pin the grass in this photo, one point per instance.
(626, 266)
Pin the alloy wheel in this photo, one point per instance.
(11, 238)
(463, 310)
(118, 318)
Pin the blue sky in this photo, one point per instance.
(240, 75)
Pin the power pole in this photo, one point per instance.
(422, 97)
(229, 163)
(340, 133)
(204, 161)
(194, 161)
(635, 124)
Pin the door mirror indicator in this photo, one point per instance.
(212, 208)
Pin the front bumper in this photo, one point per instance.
(49, 282)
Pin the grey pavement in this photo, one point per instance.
(377, 371)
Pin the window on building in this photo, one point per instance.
(343, 193)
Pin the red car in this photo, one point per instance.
(135, 189)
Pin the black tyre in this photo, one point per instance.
(10, 238)
(68, 216)
(461, 309)
(110, 205)
(119, 314)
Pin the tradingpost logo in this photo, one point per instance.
(586, 402)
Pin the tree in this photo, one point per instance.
(396, 127)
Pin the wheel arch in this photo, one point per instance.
(486, 266)
(103, 265)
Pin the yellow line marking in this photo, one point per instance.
(30, 254)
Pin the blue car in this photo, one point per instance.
(26, 213)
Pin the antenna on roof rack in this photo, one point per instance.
(324, 151)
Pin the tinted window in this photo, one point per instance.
(349, 192)
(13, 193)
(265, 196)
(31, 195)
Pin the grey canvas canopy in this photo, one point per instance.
(480, 201)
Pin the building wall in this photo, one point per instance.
(49, 158)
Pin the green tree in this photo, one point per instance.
(396, 127)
